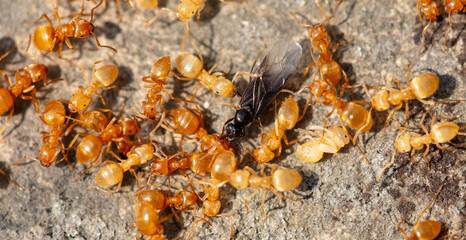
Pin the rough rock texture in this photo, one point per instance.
(339, 196)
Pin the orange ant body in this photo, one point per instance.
(452, 7)
(147, 207)
(440, 133)
(24, 78)
(159, 73)
(93, 120)
(329, 69)
(224, 170)
(102, 78)
(54, 116)
(211, 207)
(331, 142)
(430, 11)
(421, 87)
(425, 230)
(187, 122)
(287, 118)
(90, 147)
(280, 180)
(186, 9)
(45, 37)
(192, 67)
(355, 115)
(352, 113)
(166, 165)
(112, 173)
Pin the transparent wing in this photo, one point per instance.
(276, 68)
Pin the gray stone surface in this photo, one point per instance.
(340, 198)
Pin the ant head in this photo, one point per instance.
(47, 155)
(39, 72)
(233, 131)
(130, 126)
(84, 28)
(78, 101)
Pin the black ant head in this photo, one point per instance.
(233, 131)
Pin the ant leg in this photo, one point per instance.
(157, 15)
(100, 45)
(333, 13)
(223, 103)
(386, 166)
(423, 37)
(391, 115)
(60, 48)
(216, 62)
(351, 138)
(188, 34)
(401, 229)
(55, 12)
(11, 50)
(245, 74)
(231, 222)
(55, 80)
(135, 8)
(7, 120)
(11, 180)
(262, 203)
(425, 158)
(32, 98)
(26, 156)
(92, 10)
(320, 8)
(101, 98)
(248, 197)
(201, 7)
(419, 217)
(42, 16)
(103, 190)
(7, 79)
(419, 14)
(68, 43)
(412, 156)
(422, 121)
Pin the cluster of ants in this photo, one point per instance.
(219, 159)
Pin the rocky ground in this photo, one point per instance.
(339, 196)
